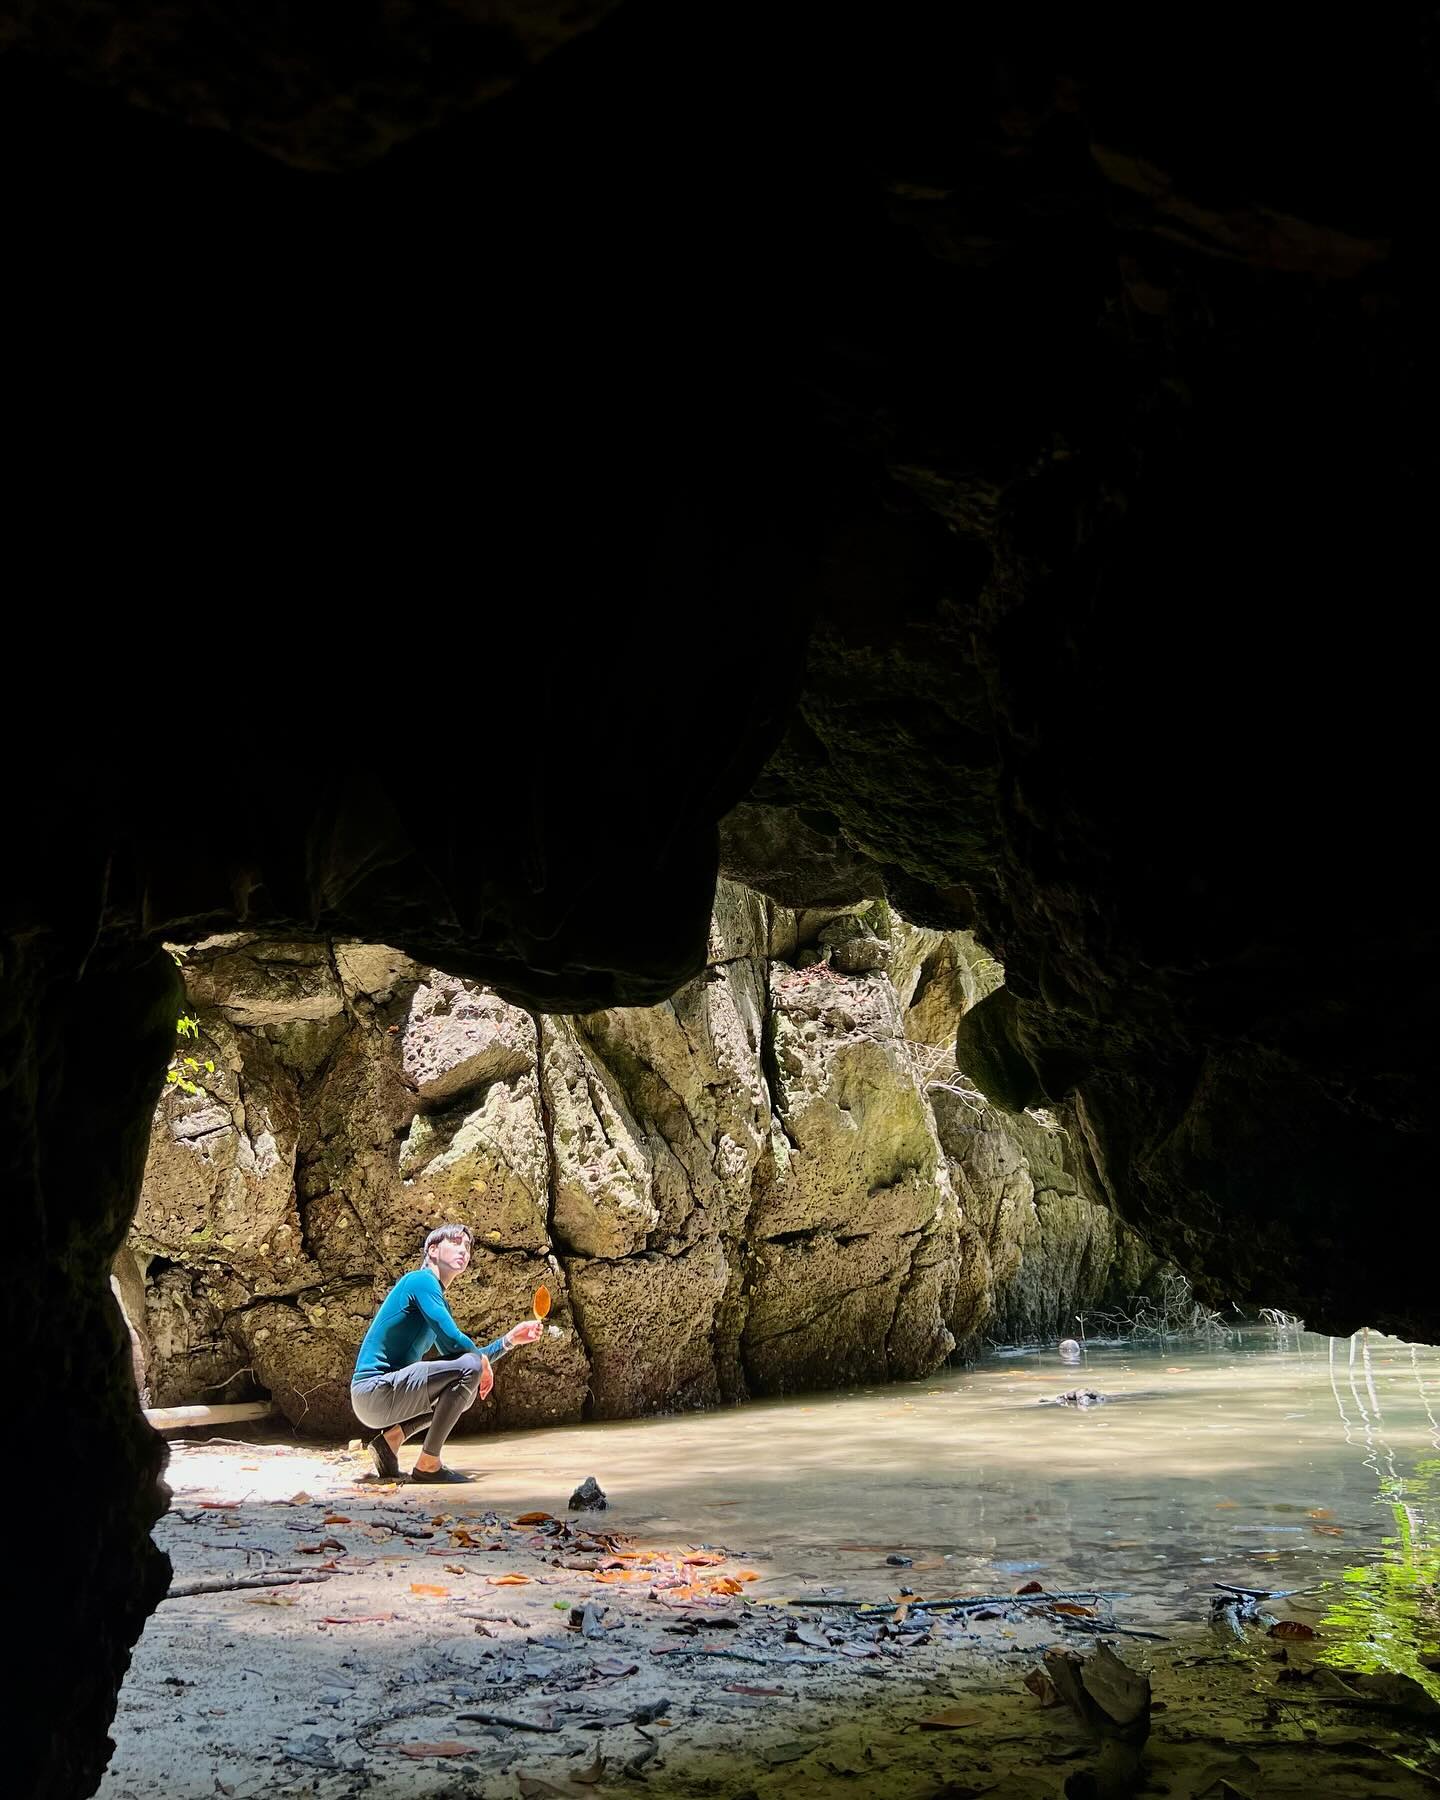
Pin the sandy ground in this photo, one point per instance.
(601, 1659)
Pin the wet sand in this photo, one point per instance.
(1265, 1463)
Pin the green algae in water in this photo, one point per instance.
(1386, 1617)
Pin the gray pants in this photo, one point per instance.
(433, 1392)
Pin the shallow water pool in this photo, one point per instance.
(1270, 1460)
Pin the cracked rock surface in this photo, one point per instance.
(774, 1180)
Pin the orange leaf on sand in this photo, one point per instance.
(449, 1747)
(425, 1587)
(532, 1518)
(300, 1499)
(467, 1540)
(747, 1574)
(337, 1519)
(705, 1557)
(724, 1585)
(508, 1580)
(1072, 1610)
(952, 1719)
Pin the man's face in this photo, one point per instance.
(451, 1258)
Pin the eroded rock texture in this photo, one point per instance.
(774, 1180)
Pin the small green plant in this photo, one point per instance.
(185, 1072)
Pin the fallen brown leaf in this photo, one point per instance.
(1042, 1687)
(1072, 1609)
(533, 1518)
(954, 1718)
(447, 1747)
(1291, 1628)
(1031, 1587)
(513, 1580)
(424, 1587)
(337, 1519)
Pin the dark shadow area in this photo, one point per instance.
(1004, 445)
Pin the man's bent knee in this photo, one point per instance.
(472, 1368)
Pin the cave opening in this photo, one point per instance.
(805, 1286)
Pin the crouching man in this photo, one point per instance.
(396, 1395)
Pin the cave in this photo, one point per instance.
(479, 475)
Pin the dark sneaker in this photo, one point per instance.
(440, 1474)
(387, 1463)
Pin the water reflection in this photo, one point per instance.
(1387, 1614)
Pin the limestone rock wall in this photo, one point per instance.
(774, 1180)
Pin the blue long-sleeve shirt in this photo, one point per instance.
(412, 1317)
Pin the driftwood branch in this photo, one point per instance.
(516, 1724)
(224, 1584)
(183, 1418)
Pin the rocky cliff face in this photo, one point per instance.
(775, 1180)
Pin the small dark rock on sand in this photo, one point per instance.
(1076, 1397)
(588, 1496)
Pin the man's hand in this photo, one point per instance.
(487, 1377)
(529, 1332)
